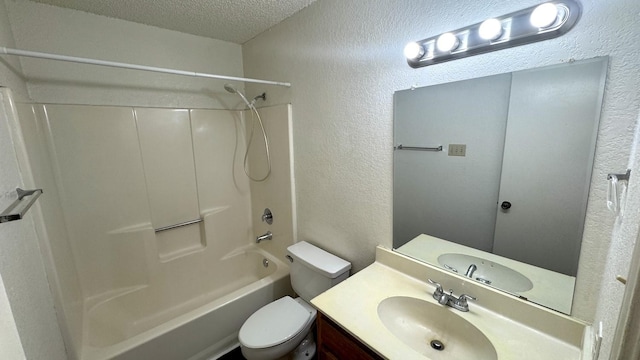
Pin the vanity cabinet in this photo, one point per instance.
(334, 343)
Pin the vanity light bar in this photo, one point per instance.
(545, 21)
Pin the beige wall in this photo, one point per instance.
(49, 29)
(46, 28)
(52, 231)
(344, 59)
(620, 254)
(10, 67)
(21, 264)
(10, 346)
(28, 327)
(277, 192)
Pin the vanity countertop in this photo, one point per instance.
(517, 330)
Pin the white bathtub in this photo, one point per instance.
(141, 324)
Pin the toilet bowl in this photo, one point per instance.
(276, 329)
(283, 327)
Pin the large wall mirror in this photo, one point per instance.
(492, 175)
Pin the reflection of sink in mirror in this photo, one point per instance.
(433, 330)
(547, 288)
(487, 272)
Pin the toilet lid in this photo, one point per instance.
(274, 324)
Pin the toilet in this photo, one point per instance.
(283, 327)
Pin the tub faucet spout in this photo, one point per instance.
(267, 236)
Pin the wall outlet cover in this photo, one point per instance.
(457, 149)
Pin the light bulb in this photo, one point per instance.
(447, 42)
(490, 29)
(544, 15)
(413, 51)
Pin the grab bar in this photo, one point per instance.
(419, 148)
(178, 225)
(7, 215)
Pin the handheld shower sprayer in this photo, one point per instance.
(233, 90)
(230, 88)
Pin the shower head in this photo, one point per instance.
(233, 90)
(230, 88)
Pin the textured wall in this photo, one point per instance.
(10, 68)
(46, 28)
(625, 236)
(344, 59)
(10, 346)
(235, 21)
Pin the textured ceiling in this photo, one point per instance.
(231, 20)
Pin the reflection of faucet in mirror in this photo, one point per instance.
(506, 138)
(472, 268)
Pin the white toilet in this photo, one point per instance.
(283, 326)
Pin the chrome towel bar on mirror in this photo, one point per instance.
(178, 225)
(419, 148)
(10, 215)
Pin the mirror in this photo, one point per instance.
(494, 173)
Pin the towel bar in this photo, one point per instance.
(10, 215)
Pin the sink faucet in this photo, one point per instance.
(449, 299)
(472, 268)
(267, 236)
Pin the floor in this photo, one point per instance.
(234, 354)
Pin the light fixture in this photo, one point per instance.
(544, 15)
(542, 22)
(490, 29)
(447, 42)
(413, 50)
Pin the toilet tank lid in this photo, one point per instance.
(316, 258)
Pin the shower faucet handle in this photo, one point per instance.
(267, 216)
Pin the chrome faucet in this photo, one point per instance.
(267, 236)
(472, 268)
(449, 299)
(461, 303)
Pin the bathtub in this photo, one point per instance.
(139, 323)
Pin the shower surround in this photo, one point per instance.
(114, 176)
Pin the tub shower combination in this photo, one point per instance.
(128, 282)
(140, 324)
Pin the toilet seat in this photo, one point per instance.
(274, 324)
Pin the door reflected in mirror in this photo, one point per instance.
(513, 176)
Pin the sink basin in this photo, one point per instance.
(488, 272)
(426, 327)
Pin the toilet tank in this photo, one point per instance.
(314, 270)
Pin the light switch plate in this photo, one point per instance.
(457, 150)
